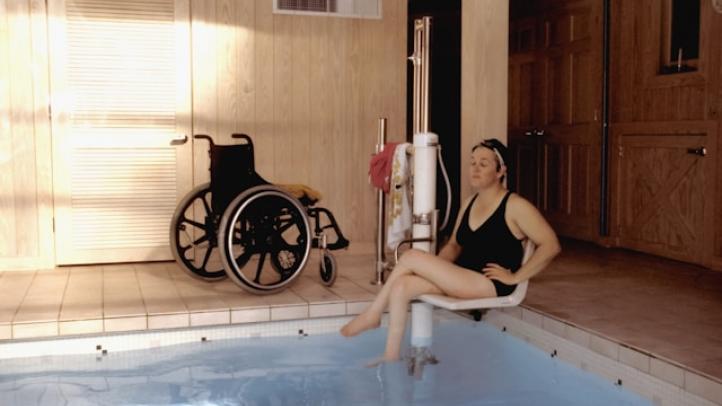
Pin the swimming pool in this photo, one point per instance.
(480, 365)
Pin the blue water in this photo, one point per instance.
(479, 366)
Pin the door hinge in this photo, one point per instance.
(53, 224)
(620, 151)
(50, 111)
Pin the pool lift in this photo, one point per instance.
(426, 148)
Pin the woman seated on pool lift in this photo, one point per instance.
(482, 258)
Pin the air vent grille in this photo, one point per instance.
(323, 6)
(330, 8)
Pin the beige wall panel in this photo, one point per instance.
(25, 211)
(283, 78)
(43, 144)
(300, 143)
(264, 73)
(23, 137)
(339, 105)
(245, 66)
(484, 74)
(393, 73)
(7, 201)
(227, 40)
(320, 125)
(203, 34)
(308, 90)
(21, 107)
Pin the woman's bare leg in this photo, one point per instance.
(371, 316)
(449, 278)
(403, 291)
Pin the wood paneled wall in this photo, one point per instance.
(25, 154)
(309, 91)
(484, 75)
(660, 118)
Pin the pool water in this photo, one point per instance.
(479, 365)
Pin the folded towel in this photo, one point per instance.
(400, 209)
(380, 167)
(306, 194)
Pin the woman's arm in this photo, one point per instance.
(533, 225)
(452, 249)
(527, 219)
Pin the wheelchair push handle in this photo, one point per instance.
(243, 136)
(235, 135)
(204, 137)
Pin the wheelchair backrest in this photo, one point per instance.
(232, 172)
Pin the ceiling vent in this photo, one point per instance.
(331, 8)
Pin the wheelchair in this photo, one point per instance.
(241, 226)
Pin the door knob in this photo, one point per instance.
(179, 140)
(701, 151)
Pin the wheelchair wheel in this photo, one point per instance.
(262, 223)
(328, 269)
(193, 238)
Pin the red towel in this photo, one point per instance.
(380, 167)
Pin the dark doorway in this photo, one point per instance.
(444, 93)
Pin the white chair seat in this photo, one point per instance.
(422, 312)
(516, 297)
(452, 303)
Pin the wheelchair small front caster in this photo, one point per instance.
(328, 269)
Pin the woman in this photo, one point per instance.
(482, 258)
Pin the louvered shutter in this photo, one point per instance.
(120, 89)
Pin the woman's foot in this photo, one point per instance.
(359, 324)
(382, 360)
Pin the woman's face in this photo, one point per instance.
(482, 171)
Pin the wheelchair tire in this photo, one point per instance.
(264, 221)
(186, 234)
(328, 269)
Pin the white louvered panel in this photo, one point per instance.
(122, 197)
(121, 61)
(123, 67)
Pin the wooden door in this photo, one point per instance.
(555, 96)
(662, 192)
(120, 79)
(524, 175)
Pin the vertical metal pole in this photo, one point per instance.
(604, 170)
(381, 211)
(416, 60)
(425, 69)
(422, 67)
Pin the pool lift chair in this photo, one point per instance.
(422, 322)
(425, 150)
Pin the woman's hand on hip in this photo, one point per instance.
(499, 273)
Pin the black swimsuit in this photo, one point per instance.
(491, 242)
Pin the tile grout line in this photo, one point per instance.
(20, 303)
(594, 333)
